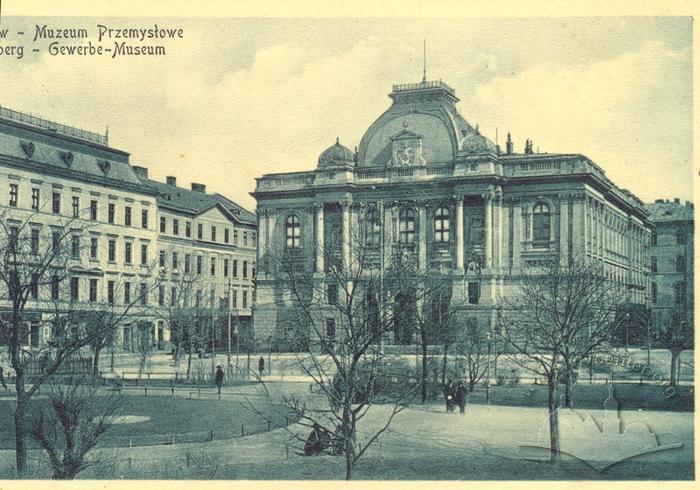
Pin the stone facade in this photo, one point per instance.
(449, 195)
(672, 260)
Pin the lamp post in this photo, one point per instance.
(488, 368)
(627, 331)
(228, 330)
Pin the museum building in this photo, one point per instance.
(423, 180)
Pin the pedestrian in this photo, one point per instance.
(219, 379)
(2, 380)
(261, 365)
(461, 396)
(449, 392)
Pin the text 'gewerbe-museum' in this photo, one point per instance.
(424, 181)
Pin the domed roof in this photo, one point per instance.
(475, 144)
(336, 155)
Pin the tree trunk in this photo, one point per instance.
(189, 360)
(444, 363)
(674, 361)
(349, 439)
(20, 435)
(569, 392)
(96, 361)
(552, 406)
(424, 378)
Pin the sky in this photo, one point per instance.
(240, 97)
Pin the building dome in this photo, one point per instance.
(336, 155)
(476, 144)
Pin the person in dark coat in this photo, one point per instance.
(317, 441)
(2, 380)
(219, 379)
(261, 365)
(461, 396)
(449, 392)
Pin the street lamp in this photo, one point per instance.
(488, 368)
(228, 330)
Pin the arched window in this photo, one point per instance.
(540, 223)
(373, 228)
(407, 226)
(292, 229)
(654, 264)
(653, 238)
(442, 225)
(680, 237)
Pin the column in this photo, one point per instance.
(262, 240)
(346, 236)
(459, 230)
(422, 237)
(517, 232)
(578, 226)
(488, 246)
(270, 230)
(320, 249)
(499, 235)
(564, 231)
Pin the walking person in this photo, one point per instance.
(261, 365)
(461, 396)
(219, 379)
(449, 392)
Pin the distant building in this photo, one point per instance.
(672, 260)
(424, 181)
(54, 177)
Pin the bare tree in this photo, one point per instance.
(77, 415)
(678, 335)
(473, 348)
(561, 314)
(335, 327)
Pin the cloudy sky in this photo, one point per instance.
(237, 98)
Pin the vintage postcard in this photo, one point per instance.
(397, 242)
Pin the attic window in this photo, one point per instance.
(67, 157)
(104, 165)
(28, 148)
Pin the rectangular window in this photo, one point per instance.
(14, 195)
(245, 238)
(143, 294)
(35, 199)
(212, 268)
(35, 241)
(245, 300)
(93, 210)
(252, 239)
(110, 212)
(161, 258)
(188, 259)
(199, 264)
(74, 289)
(332, 294)
(200, 231)
(144, 253)
(144, 218)
(127, 215)
(93, 248)
(56, 241)
(112, 251)
(173, 296)
(225, 267)
(473, 292)
(54, 288)
(226, 235)
(14, 237)
(245, 269)
(235, 268)
(188, 229)
(75, 247)
(56, 203)
(476, 232)
(127, 253)
(161, 295)
(176, 227)
(235, 237)
(198, 298)
(213, 233)
(75, 206)
(110, 292)
(127, 293)
(330, 330)
(175, 261)
(234, 299)
(93, 290)
(34, 286)
(162, 224)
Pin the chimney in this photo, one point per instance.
(659, 201)
(688, 204)
(199, 187)
(509, 145)
(677, 200)
(141, 172)
(170, 180)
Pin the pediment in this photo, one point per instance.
(405, 134)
